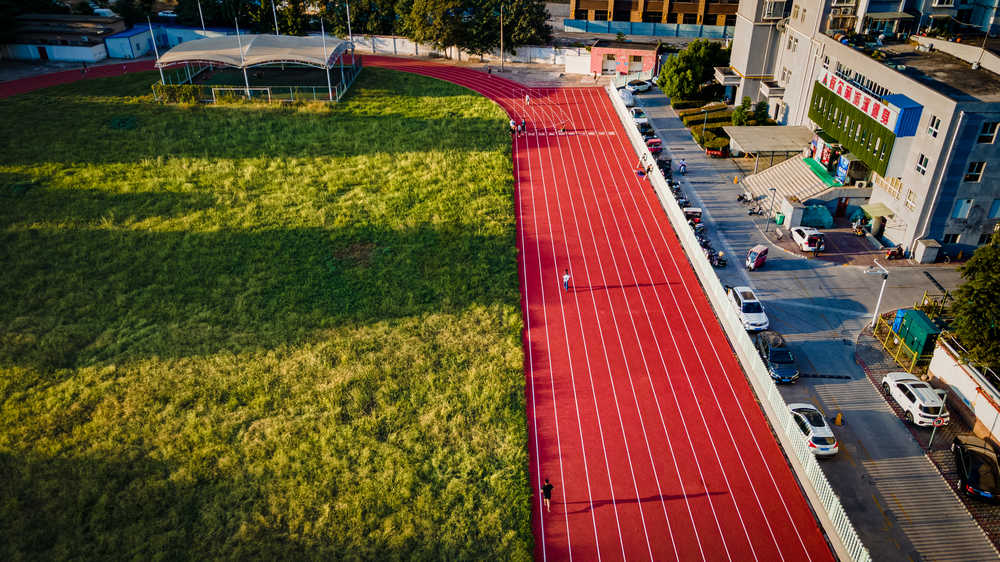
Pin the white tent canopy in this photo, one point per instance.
(257, 50)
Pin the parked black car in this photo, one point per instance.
(978, 473)
(778, 359)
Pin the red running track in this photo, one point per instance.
(637, 408)
(32, 83)
(635, 399)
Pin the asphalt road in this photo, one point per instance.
(899, 504)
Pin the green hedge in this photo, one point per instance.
(723, 116)
(686, 104)
(717, 143)
(177, 93)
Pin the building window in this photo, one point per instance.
(826, 61)
(962, 208)
(795, 11)
(600, 15)
(671, 17)
(922, 163)
(652, 17)
(803, 15)
(995, 209)
(690, 19)
(580, 14)
(911, 200)
(893, 186)
(774, 10)
(730, 20)
(933, 126)
(975, 171)
(950, 238)
(793, 43)
(988, 133)
(985, 238)
(786, 75)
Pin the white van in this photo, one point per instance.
(627, 97)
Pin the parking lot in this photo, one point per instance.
(896, 497)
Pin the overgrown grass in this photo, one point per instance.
(255, 332)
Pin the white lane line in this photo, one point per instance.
(687, 431)
(740, 403)
(607, 361)
(628, 371)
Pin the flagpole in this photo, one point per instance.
(322, 32)
(243, 62)
(202, 16)
(155, 50)
(274, 10)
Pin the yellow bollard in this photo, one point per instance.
(838, 419)
(736, 179)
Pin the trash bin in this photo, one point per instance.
(779, 218)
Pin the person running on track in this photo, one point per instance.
(547, 495)
(513, 126)
(527, 99)
(565, 281)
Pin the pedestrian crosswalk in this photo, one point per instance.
(568, 133)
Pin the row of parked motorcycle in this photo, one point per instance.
(693, 215)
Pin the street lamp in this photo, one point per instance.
(767, 224)
(885, 277)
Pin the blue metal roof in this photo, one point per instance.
(138, 29)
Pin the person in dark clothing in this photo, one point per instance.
(547, 495)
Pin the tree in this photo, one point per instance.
(221, 13)
(761, 111)
(742, 113)
(977, 306)
(683, 74)
(133, 11)
(524, 24)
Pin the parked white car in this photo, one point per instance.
(815, 430)
(807, 239)
(639, 116)
(750, 309)
(636, 86)
(921, 403)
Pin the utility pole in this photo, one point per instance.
(501, 37)
(274, 10)
(201, 16)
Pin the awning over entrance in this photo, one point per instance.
(769, 139)
(877, 210)
(885, 16)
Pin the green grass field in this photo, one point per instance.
(260, 332)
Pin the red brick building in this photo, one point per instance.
(614, 57)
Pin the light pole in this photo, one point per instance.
(885, 277)
(767, 224)
(501, 37)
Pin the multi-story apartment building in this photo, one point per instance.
(924, 123)
(701, 12)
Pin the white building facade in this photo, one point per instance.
(924, 123)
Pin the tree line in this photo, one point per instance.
(472, 25)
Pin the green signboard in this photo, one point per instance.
(864, 137)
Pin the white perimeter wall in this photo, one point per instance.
(388, 45)
(969, 386)
(70, 53)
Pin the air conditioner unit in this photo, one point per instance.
(861, 184)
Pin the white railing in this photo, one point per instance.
(622, 79)
(824, 500)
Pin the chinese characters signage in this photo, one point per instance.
(882, 114)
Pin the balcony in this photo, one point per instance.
(772, 89)
(725, 76)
